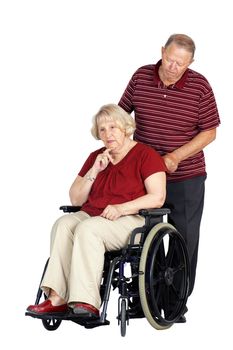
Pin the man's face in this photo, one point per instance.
(175, 61)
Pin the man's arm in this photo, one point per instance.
(197, 144)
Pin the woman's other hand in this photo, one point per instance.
(112, 212)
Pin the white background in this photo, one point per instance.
(59, 62)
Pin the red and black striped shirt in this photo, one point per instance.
(168, 117)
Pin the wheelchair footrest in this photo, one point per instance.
(58, 316)
(95, 323)
(69, 316)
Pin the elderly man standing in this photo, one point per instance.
(176, 113)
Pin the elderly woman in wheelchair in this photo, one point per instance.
(114, 184)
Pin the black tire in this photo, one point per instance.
(51, 324)
(163, 276)
(123, 317)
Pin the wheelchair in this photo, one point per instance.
(157, 287)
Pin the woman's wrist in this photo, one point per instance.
(90, 178)
(91, 174)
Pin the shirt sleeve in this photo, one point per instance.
(208, 112)
(152, 163)
(89, 162)
(127, 97)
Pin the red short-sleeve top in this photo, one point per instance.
(123, 181)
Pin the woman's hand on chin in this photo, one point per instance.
(102, 160)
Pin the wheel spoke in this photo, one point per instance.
(166, 301)
(51, 324)
(161, 258)
(171, 251)
(158, 275)
(175, 291)
(158, 294)
(179, 268)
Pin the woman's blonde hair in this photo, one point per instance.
(113, 112)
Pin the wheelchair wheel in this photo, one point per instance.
(51, 324)
(122, 317)
(163, 276)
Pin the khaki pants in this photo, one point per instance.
(78, 244)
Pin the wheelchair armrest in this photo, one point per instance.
(154, 212)
(152, 218)
(70, 208)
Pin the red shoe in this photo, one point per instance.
(47, 308)
(85, 310)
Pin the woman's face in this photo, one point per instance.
(110, 133)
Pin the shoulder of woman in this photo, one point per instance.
(147, 149)
(97, 151)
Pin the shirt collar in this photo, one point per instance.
(179, 84)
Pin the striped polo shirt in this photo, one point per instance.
(167, 117)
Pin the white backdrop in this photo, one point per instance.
(59, 62)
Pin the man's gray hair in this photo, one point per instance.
(182, 40)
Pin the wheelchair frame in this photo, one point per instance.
(159, 283)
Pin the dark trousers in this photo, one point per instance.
(187, 200)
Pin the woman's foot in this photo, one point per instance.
(47, 308)
(85, 310)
